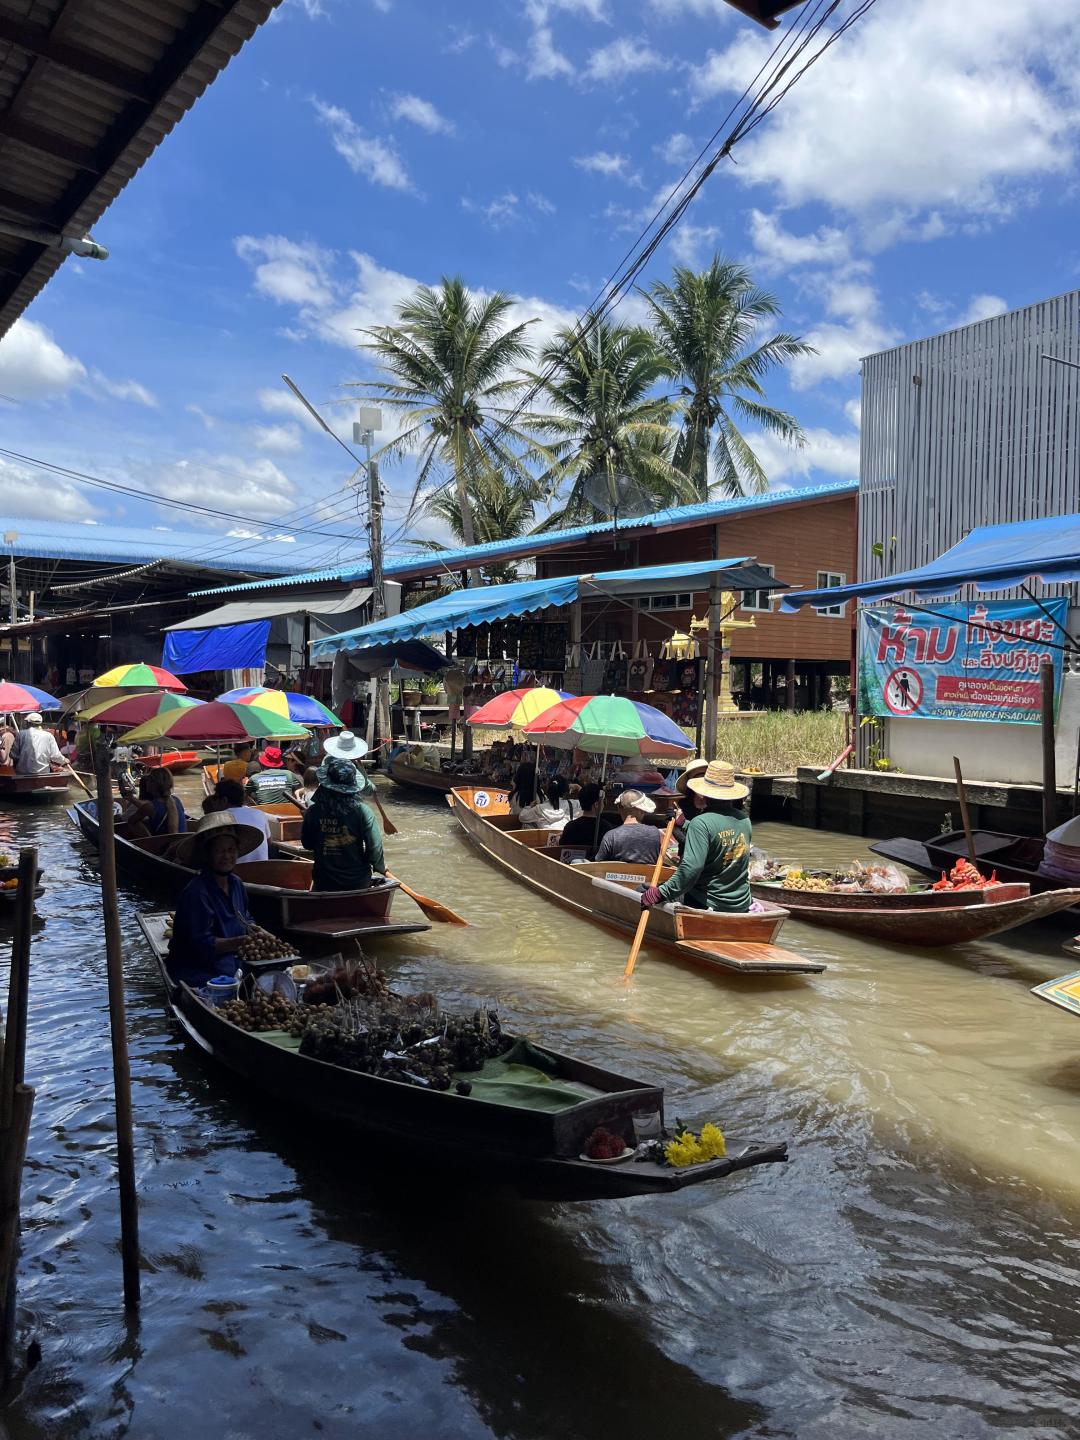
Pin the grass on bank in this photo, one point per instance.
(776, 741)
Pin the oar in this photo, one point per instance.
(639, 934)
(75, 774)
(433, 909)
(964, 816)
(391, 829)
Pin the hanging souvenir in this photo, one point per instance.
(688, 675)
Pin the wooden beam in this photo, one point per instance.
(37, 40)
(48, 142)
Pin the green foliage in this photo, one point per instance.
(775, 742)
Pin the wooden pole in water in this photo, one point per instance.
(114, 960)
(1049, 800)
(965, 818)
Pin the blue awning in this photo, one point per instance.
(223, 647)
(991, 557)
(462, 608)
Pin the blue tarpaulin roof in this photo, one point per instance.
(462, 608)
(991, 557)
(222, 647)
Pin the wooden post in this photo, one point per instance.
(713, 662)
(789, 695)
(114, 961)
(14, 1067)
(1049, 804)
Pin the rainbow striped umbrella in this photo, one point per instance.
(126, 710)
(609, 725)
(139, 677)
(215, 723)
(304, 709)
(20, 699)
(514, 709)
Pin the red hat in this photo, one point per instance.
(271, 757)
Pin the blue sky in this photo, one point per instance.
(921, 176)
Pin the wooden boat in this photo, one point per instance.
(29, 789)
(1014, 858)
(608, 894)
(279, 891)
(935, 918)
(536, 1151)
(434, 782)
(178, 761)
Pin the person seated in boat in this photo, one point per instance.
(157, 811)
(270, 780)
(212, 913)
(230, 796)
(347, 746)
(714, 872)
(239, 766)
(634, 841)
(311, 784)
(35, 751)
(523, 790)
(8, 736)
(686, 803)
(551, 809)
(341, 831)
(584, 830)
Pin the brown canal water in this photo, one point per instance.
(911, 1273)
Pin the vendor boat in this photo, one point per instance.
(608, 894)
(178, 761)
(279, 891)
(934, 918)
(426, 778)
(1013, 858)
(30, 789)
(535, 1147)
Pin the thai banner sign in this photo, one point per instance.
(978, 660)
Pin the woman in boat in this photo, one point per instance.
(552, 809)
(230, 796)
(585, 829)
(523, 790)
(212, 914)
(635, 841)
(158, 809)
(341, 831)
(714, 872)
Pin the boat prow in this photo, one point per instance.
(608, 894)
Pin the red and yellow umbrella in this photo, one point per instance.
(139, 677)
(128, 710)
(516, 708)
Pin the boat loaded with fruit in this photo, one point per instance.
(457, 1091)
(964, 903)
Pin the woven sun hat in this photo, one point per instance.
(192, 848)
(337, 774)
(345, 746)
(635, 800)
(718, 782)
(693, 769)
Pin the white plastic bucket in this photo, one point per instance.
(222, 988)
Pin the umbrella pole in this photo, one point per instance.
(603, 776)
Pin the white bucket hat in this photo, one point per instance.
(345, 746)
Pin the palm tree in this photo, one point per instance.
(705, 322)
(501, 510)
(449, 357)
(605, 423)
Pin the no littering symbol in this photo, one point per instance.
(903, 691)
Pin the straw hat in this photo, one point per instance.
(718, 782)
(692, 770)
(635, 800)
(191, 848)
(345, 746)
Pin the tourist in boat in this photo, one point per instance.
(162, 811)
(714, 872)
(341, 831)
(270, 780)
(523, 790)
(35, 751)
(686, 804)
(8, 736)
(212, 915)
(585, 830)
(347, 746)
(230, 795)
(551, 809)
(634, 841)
(239, 766)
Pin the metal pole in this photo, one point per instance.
(713, 662)
(12, 609)
(1049, 802)
(114, 961)
(378, 587)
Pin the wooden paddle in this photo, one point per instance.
(75, 774)
(964, 816)
(639, 934)
(391, 829)
(434, 909)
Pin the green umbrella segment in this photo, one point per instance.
(218, 722)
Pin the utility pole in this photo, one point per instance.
(9, 540)
(364, 430)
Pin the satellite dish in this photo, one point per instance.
(619, 496)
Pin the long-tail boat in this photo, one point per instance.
(279, 891)
(535, 1150)
(178, 761)
(32, 788)
(423, 778)
(1013, 858)
(934, 918)
(608, 894)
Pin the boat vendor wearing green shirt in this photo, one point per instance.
(714, 872)
(341, 831)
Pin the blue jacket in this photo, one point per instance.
(205, 913)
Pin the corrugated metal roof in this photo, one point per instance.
(241, 612)
(116, 545)
(88, 90)
(677, 516)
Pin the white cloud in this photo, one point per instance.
(778, 248)
(603, 162)
(290, 272)
(826, 456)
(677, 149)
(27, 498)
(917, 110)
(122, 390)
(622, 58)
(545, 60)
(210, 421)
(983, 307)
(690, 244)
(841, 343)
(461, 39)
(277, 439)
(422, 113)
(541, 203)
(254, 487)
(33, 366)
(499, 212)
(366, 155)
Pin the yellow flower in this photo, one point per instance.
(712, 1142)
(683, 1151)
